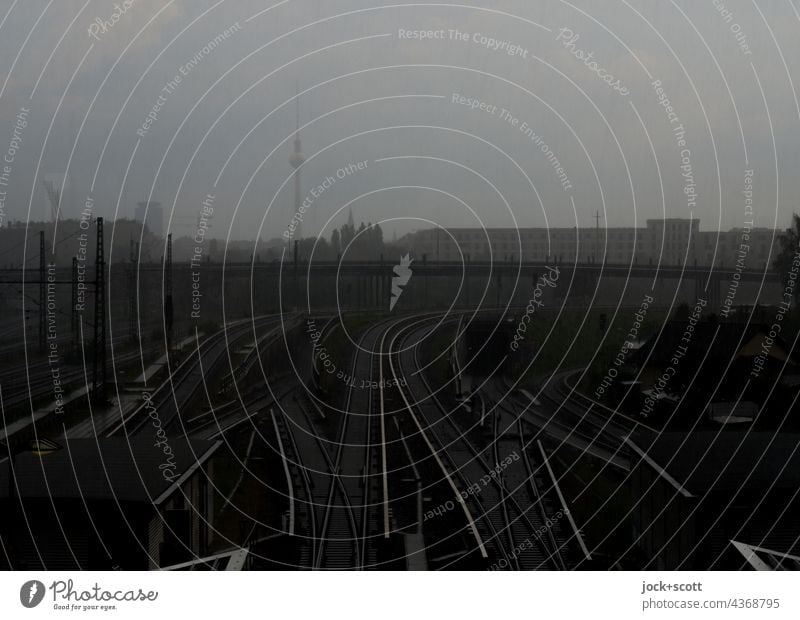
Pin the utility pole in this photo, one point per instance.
(466, 281)
(133, 292)
(295, 292)
(597, 236)
(99, 369)
(75, 318)
(42, 300)
(168, 307)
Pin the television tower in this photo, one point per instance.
(296, 159)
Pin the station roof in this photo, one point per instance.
(708, 461)
(107, 468)
(767, 559)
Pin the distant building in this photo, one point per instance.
(671, 241)
(151, 214)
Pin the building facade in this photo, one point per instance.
(671, 241)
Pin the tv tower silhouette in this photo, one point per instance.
(296, 159)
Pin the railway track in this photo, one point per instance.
(555, 413)
(26, 384)
(183, 383)
(346, 477)
(360, 448)
(510, 510)
(355, 495)
(250, 401)
(300, 493)
(437, 464)
(335, 531)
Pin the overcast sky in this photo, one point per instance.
(370, 94)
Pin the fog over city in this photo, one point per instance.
(458, 111)
(306, 285)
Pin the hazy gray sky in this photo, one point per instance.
(729, 69)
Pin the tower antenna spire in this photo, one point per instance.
(296, 160)
(296, 108)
